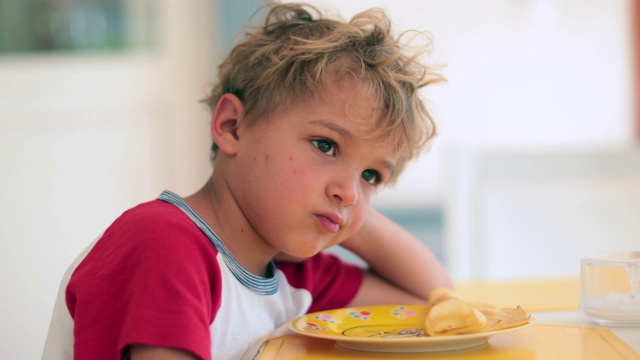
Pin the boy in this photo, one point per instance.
(310, 118)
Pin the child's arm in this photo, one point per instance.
(402, 268)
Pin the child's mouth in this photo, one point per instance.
(327, 224)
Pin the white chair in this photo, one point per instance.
(514, 214)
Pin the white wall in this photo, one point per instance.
(84, 137)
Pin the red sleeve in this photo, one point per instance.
(148, 280)
(332, 282)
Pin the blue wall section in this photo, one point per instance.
(235, 16)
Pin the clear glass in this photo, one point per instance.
(610, 288)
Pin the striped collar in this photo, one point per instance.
(258, 284)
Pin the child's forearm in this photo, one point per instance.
(398, 256)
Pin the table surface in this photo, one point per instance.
(630, 335)
(560, 330)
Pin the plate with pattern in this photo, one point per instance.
(386, 328)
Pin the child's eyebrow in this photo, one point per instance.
(334, 127)
(389, 165)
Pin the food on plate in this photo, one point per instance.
(503, 318)
(449, 314)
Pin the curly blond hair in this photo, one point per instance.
(289, 57)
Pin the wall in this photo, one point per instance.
(84, 137)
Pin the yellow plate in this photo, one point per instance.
(388, 328)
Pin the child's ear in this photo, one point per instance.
(225, 121)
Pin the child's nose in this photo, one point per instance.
(344, 190)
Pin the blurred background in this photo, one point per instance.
(536, 164)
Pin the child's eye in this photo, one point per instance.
(326, 146)
(372, 177)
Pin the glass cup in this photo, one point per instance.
(610, 288)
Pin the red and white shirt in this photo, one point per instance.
(160, 276)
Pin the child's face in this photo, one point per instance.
(306, 175)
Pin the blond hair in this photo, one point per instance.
(290, 56)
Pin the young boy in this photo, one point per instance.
(310, 118)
